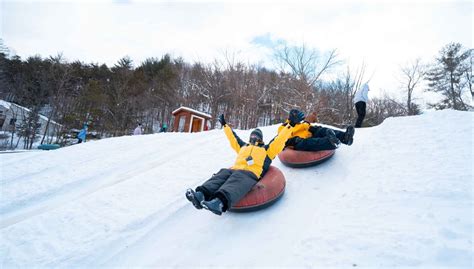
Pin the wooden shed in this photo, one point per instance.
(189, 120)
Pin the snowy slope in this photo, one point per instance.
(401, 195)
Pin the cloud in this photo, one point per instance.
(266, 40)
(383, 35)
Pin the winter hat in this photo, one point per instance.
(257, 133)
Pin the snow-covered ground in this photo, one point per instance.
(400, 196)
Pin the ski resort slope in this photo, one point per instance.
(400, 196)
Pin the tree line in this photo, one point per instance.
(112, 100)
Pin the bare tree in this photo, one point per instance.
(307, 66)
(412, 74)
(211, 86)
(381, 108)
(339, 107)
(58, 78)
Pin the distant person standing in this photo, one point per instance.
(138, 130)
(163, 128)
(360, 100)
(81, 136)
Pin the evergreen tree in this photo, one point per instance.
(447, 74)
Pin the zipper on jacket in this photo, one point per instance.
(249, 158)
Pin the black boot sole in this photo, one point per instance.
(192, 198)
(349, 135)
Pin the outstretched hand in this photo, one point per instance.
(222, 120)
(295, 116)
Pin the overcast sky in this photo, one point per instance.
(383, 34)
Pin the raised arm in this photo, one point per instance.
(278, 143)
(235, 142)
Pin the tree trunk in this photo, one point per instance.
(18, 141)
(453, 94)
(409, 103)
(47, 125)
(13, 135)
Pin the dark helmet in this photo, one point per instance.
(256, 135)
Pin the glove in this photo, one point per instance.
(222, 120)
(295, 117)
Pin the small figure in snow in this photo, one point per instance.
(308, 136)
(81, 136)
(138, 130)
(164, 127)
(228, 186)
(360, 100)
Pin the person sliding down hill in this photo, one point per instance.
(81, 136)
(228, 186)
(309, 137)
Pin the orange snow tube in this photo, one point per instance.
(298, 158)
(266, 192)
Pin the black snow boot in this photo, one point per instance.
(348, 135)
(332, 138)
(195, 197)
(215, 206)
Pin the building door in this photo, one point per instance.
(182, 122)
(196, 125)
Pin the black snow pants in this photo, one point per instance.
(360, 108)
(230, 186)
(318, 141)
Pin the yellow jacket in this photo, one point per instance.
(262, 155)
(300, 129)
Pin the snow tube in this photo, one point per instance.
(266, 192)
(298, 158)
(49, 146)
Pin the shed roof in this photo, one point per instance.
(9, 105)
(191, 110)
